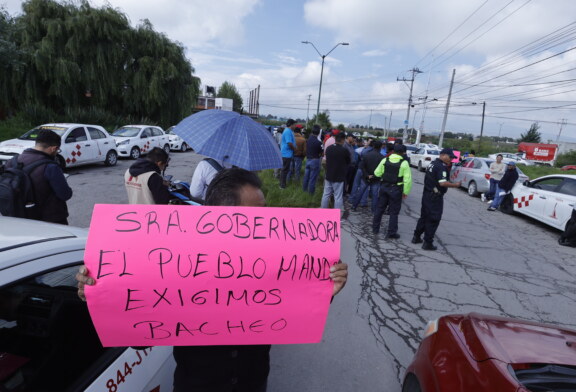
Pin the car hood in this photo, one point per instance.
(173, 137)
(514, 341)
(15, 145)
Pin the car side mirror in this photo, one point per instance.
(143, 136)
(527, 184)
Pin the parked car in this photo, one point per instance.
(47, 340)
(422, 157)
(136, 140)
(548, 199)
(176, 142)
(410, 149)
(474, 173)
(508, 156)
(568, 167)
(81, 144)
(480, 353)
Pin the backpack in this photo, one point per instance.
(17, 196)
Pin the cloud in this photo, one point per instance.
(421, 25)
(375, 53)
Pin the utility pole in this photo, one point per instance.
(414, 72)
(389, 125)
(446, 110)
(370, 120)
(562, 123)
(308, 111)
(481, 127)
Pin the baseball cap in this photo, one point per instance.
(448, 151)
(299, 126)
(512, 163)
(399, 148)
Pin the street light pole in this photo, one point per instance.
(322, 68)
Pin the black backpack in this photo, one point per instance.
(17, 196)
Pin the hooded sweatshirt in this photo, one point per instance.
(144, 184)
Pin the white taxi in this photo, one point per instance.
(549, 199)
(135, 140)
(47, 340)
(176, 142)
(423, 157)
(81, 144)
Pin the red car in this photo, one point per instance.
(480, 353)
(568, 167)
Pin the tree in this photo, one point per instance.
(322, 119)
(532, 135)
(85, 58)
(228, 90)
(341, 127)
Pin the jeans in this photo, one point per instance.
(358, 182)
(490, 194)
(311, 175)
(497, 197)
(362, 194)
(295, 168)
(336, 189)
(286, 162)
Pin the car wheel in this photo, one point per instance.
(60, 161)
(135, 153)
(411, 384)
(111, 158)
(420, 168)
(507, 205)
(167, 148)
(472, 189)
(184, 147)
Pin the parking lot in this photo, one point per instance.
(487, 262)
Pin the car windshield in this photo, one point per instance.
(33, 133)
(433, 152)
(126, 132)
(170, 131)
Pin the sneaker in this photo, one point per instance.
(394, 236)
(491, 209)
(483, 197)
(489, 201)
(416, 240)
(429, 246)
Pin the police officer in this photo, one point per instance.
(435, 186)
(396, 182)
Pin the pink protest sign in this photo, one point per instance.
(457, 155)
(187, 276)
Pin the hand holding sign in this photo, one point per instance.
(175, 275)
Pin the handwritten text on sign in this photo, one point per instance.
(182, 275)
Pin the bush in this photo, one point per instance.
(568, 158)
(293, 195)
(534, 172)
(14, 127)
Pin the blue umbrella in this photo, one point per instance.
(229, 137)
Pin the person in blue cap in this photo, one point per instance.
(435, 186)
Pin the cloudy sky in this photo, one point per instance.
(516, 55)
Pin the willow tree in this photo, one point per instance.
(11, 61)
(229, 90)
(86, 57)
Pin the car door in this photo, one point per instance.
(466, 171)
(48, 341)
(146, 140)
(560, 203)
(77, 147)
(539, 198)
(103, 143)
(162, 138)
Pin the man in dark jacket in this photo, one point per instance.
(504, 186)
(337, 161)
(313, 154)
(369, 183)
(50, 187)
(144, 182)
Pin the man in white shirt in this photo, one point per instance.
(203, 175)
(497, 170)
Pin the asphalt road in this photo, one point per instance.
(487, 262)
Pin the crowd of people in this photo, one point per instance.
(357, 170)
